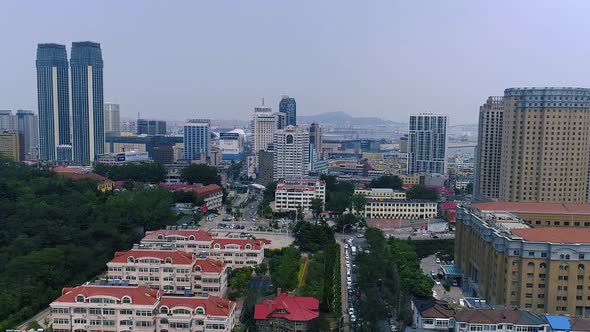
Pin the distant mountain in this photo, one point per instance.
(341, 118)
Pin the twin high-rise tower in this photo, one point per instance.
(77, 132)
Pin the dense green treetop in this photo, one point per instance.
(58, 232)
(140, 172)
(200, 173)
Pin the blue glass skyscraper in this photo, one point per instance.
(289, 108)
(197, 139)
(87, 102)
(53, 100)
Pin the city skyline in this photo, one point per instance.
(333, 65)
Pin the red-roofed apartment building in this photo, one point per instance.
(179, 313)
(139, 309)
(236, 253)
(286, 313)
(211, 194)
(114, 308)
(172, 271)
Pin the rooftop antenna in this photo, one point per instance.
(262, 101)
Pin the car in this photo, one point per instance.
(462, 302)
(437, 260)
(352, 318)
(437, 282)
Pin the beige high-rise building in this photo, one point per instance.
(10, 146)
(545, 145)
(489, 149)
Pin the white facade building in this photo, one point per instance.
(294, 193)
(172, 271)
(236, 253)
(427, 143)
(138, 308)
(291, 153)
(112, 118)
(381, 193)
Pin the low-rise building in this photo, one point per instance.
(286, 313)
(432, 314)
(499, 320)
(381, 193)
(292, 194)
(81, 173)
(123, 158)
(195, 314)
(211, 194)
(236, 253)
(97, 307)
(382, 208)
(172, 271)
(138, 308)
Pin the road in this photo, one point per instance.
(39, 318)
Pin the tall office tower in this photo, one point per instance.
(315, 142)
(488, 152)
(87, 102)
(289, 107)
(291, 153)
(27, 124)
(151, 127)
(53, 99)
(427, 143)
(6, 121)
(197, 139)
(112, 118)
(264, 125)
(545, 145)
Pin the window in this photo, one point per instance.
(126, 323)
(163, 310)
(581, 256)
(60, 310)
(80, 298)
(126, 312)
(200, 311)
(126, 299)
(181, 311)
(143, 323)
(61, 321)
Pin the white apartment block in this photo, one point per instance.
(398, 209)
(292, 194)
(138, 308)
(381, 193)
(105, 308)
(195, 314)
(172, 271)
(264, 125)
(235, 253)
(427, 143)
(291, 153)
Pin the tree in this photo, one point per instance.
(317, 207)
(261, 269)
(200, 173)
(139, 172)
(339, 201)
(421, 192)
(345, 221)
(358, 204)
(387, 181)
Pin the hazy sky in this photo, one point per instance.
(215, 59)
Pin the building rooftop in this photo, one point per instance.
(210, 265)
(534, 207)
(554, 234)
(177, 256)
(433, 308)
(293, 308)
(140, 295)
(213, 305)
(490, 316)
(162, 234)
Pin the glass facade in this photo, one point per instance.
(87, 102)
(289, 108)
(427, 144)
(53, 99)
(197, 139)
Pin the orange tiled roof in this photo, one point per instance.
(213, 305)
(535, 207)
(139, 294)
(554, 234)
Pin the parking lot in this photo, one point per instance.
(429, 264)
